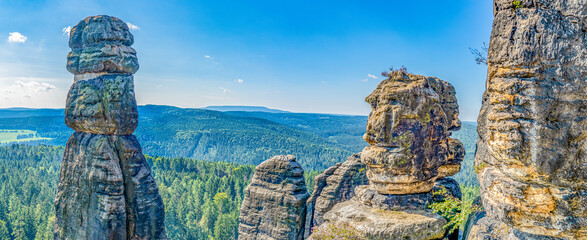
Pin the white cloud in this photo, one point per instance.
(239, 81)
(66, 31)
(207, 56)
(32, 86)
(16, 37)
(224, 90)
(132, 26)
(372, 76)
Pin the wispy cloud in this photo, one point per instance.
(207, 56)
(369, 76)
(66, 31)
(16, 37)
(32, 86)
(239, 81)
(132, 26)
(224, 90)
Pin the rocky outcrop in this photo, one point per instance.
(532, 148)
(337, 184)
(274, 207)
(409, 156)
(408, 132)
(378, 224)
(105, 190)
(369, 197)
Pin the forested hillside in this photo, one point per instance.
(318, 140)
(207, 135)
(202, 199)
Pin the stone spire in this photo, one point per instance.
(409, 155)
(274, 207)
(105, 190)
(408, 134)
(532, 148)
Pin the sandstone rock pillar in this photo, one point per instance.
(409, 156)
(532, 148)
(274, 206)
(105, 190)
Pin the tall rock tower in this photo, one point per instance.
(532, 148)
(409, 156)
(105, 189)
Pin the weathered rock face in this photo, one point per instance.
(274, 206)
(408, 132)
(486, 228)
(105, 188)
(101, 44)
(418, 201)
(380, 224)
(103, 105)
(389, 216)
(337, 184)
(532, 148)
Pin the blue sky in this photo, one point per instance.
(301, 56)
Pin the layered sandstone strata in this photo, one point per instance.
(408, 132)
(532, 148)
(274, 207)
(105, 190)
(409, 157)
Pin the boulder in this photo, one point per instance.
(101, 44)
(103, 105)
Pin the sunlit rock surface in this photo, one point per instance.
(380, 224)
(103, 105)
(532, 149)
(274, 207)
(408, 132)
(101, 44)
(105, 190)
(409, 156)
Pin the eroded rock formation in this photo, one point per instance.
(105, 188)
(409, 156)
(336, 184)
(274, 207)
(408, 132)
(532, 148)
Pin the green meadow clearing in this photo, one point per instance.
(16, 136)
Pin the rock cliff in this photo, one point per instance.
(274, 207)
(105, 188)
(532, 148)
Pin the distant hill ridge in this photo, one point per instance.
(244, 109)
